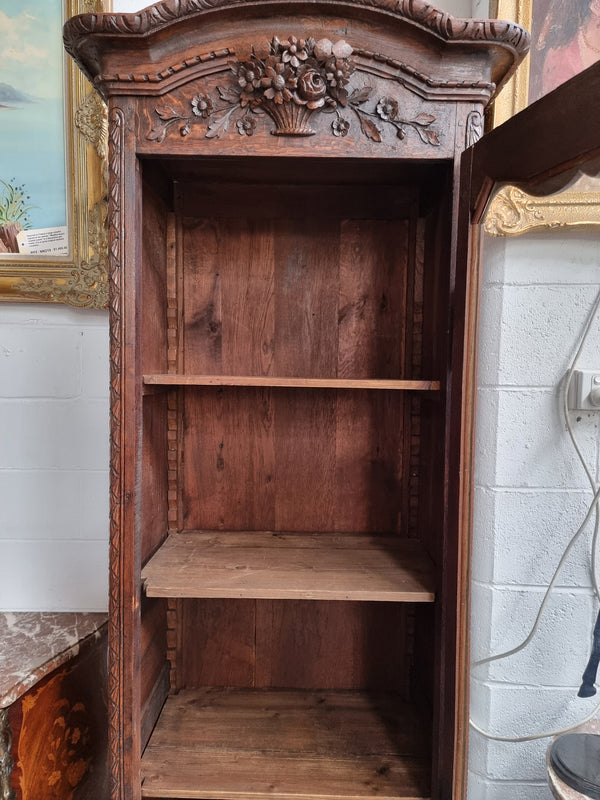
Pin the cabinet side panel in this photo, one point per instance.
(154, 282)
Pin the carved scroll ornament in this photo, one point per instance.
(295, 80)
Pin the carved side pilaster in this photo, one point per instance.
(115, 244)
(6, 761)
(474, 128)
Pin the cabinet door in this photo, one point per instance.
(542, 148)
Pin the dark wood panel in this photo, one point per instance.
(372, 299)
(216, 643)
(305, 435)
(229, 460)
(153, 646)
(331, 645)
(154, 477)
(155, 253)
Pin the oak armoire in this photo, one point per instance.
(291, 323)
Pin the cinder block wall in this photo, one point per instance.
(531, 496)
(54, 446)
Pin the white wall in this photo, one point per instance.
(54, 446)
(531, 496)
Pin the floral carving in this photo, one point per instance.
(293, 81)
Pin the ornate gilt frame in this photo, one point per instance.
(513, 211)
(80, 279)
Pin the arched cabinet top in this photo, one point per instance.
(395, 79)
(143, 47)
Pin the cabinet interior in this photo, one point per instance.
(293, 332)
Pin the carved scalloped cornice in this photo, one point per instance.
(418, 12)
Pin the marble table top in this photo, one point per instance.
(33, 644)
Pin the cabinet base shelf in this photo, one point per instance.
(229, 744)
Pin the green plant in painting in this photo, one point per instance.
(14, 207)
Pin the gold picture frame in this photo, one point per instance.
(513, 211)
(81, 278)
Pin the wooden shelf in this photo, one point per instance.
(286, 745)
(283, 566)
(168, 379)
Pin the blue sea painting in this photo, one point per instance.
(32, 139)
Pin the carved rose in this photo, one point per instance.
(312, 88)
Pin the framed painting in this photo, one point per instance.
(53, 245)
(565, 39)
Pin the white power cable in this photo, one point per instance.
(594, 506)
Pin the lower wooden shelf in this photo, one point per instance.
(286, 745)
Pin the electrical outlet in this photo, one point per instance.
(584, 394)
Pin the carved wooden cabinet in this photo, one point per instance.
(289, 430)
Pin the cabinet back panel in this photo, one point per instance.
(300, 460)
(298, 644)
(313, 297)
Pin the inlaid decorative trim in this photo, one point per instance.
(295, 80)
(115, 644)
(6, 760)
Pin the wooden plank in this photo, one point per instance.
(372, 299)
(263, 564)
(312, 644)
(217, 643)
(291, 383)
(228, 461)
(302, 745)
(307, 254)
(246, 266)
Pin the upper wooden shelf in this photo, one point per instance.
(281, 566)
(169, 379)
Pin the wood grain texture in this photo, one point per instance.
(304, 745)
(307, 644)
(289, 566)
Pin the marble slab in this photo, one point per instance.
(559, 789)
(33, 644)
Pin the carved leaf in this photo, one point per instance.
(428, 136)
(219, 125)
(359, 96)
(228, 94)
(369, 128)
(167, 113)
(157, 134)
(424, 119)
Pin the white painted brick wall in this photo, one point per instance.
(531, 495)
(54, 446)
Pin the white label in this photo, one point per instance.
(44, 242)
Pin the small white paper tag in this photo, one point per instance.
(44, 241)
